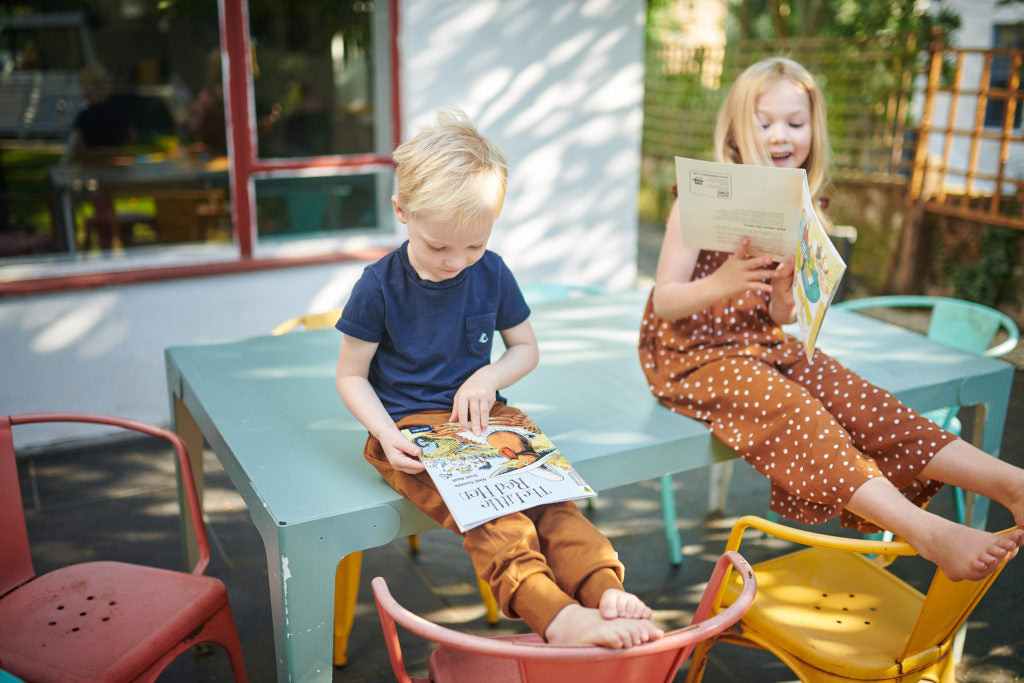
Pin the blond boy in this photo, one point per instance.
(416, 350)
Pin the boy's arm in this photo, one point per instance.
(475, 397)
(359, 397)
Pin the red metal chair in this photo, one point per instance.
(103, 621)
(522, 658)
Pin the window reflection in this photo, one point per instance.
(317, 92)
(314, 79)
(300, 205)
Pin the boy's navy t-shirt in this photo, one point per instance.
(431, 336)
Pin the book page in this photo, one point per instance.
(720, 204)
(511, 466)
(818, 270)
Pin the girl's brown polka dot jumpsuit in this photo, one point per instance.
(816, 430)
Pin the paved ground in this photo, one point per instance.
(124, 506)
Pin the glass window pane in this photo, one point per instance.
(111, 128)
(291, 206)
(315, 73)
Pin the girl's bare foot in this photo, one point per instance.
(617, 604)
(965, 553)
(579, 625)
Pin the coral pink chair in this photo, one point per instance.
(522, 658)
(103, 621)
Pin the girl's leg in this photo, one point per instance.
(959, 551)
(961, 464)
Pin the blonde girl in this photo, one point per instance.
(712, 348)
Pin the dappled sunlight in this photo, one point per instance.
(291, 372)
(333, 292)
(510, 97)
(609, 96)
(564, 104)
(72, 325)
(492, 85)
(612, 438)
(105, 339)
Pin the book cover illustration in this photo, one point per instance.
(818, 269)
(510, 466)
(720, 204)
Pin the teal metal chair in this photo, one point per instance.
(965, 325)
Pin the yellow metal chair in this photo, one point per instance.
(831, 614)
(346, 577)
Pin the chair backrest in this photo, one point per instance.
(16, 558)
(946, 607)
(539, 661)
(965, 325)
(310, 321)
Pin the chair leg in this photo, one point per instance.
(414, 543)
(490, 604)
(668, 511)
(698, 661)
(958, 504)
(346, 590)
(223, 632)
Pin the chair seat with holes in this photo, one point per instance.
(107, 621)
(827, 606)
(114, 613)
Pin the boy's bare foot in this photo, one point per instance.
(579, 625)
(965, 553)
(617, 604)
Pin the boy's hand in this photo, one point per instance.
(473, 400)
(402, 454)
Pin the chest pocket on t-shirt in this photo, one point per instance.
(480, 334)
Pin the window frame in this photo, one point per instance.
(244, 168)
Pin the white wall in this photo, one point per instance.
(102, 350)
(560, 86)
(557, 84)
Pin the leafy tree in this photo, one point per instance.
(840, 18)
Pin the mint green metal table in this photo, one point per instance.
(267, 406)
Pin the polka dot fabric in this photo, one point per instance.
(816, 430)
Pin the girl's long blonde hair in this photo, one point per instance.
(736, 133)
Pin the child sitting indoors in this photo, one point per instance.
(712, 348)
(416, 350)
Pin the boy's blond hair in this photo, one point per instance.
(449, 171)
(736, 135)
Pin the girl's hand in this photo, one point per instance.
(474, 399)
(402, 454)
(782, 306)
(744, 271)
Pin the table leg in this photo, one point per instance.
(302, 573)
(668, 511)
(983, 429)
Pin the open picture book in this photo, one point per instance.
(720, 204)
(510, 466)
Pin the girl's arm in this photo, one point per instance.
(475, 397)
(677, 294)
(355, 390)
(782, 306)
